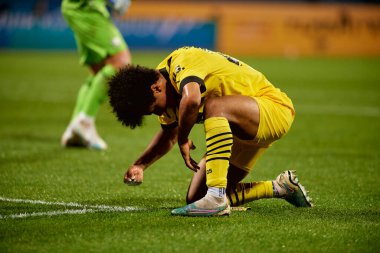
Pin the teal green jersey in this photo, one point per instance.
(95, 33)
(99, 5)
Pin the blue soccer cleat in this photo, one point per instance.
(207, 206)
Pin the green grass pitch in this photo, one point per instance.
(334, 145)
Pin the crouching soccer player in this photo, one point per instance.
(243, 115)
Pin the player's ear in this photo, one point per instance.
(155, 88)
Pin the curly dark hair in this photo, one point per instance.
(131, 95)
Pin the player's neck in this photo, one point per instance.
(172, 96)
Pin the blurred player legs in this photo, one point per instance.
(103, 49)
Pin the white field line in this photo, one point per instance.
(84, 208)
(51, 213)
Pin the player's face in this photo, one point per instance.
(158, 106)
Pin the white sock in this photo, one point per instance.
(217, 192)
(86, 118)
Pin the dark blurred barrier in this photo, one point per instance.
(279, 29)
(272, 29)
(38, 24)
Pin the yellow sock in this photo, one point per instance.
(218, 143)
(247, 192)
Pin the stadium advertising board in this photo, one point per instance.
(301, 30)
(24, 30)
(278, 29)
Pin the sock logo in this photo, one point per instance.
(208, 171)
(222, 192)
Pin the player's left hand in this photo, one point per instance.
(185, 148)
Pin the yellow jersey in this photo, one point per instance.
(218, 75)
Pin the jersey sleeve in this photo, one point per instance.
(169, 118)
(185, 69)
(180, 68)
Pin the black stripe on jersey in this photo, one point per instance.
(165, 74)
(221, 140)
(190, 79)
(214, 136)
(169, 62)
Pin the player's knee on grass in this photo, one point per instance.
(234, 176)
(193, 196)
(197, 189)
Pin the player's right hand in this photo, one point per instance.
(121, 6)
(134, 175)
(185, 148)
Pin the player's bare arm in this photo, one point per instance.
(161, 144)
(188, 114)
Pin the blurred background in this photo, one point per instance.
(254, 28)
(324, 54)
